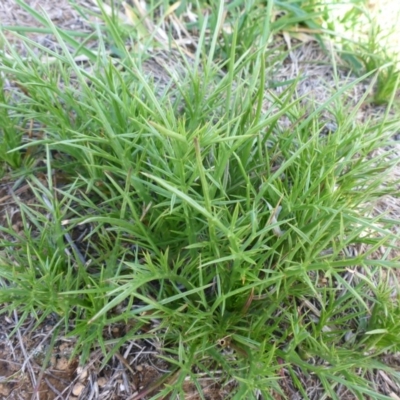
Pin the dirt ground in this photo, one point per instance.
(37, 362)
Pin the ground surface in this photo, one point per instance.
(37, 362)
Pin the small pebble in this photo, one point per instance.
(78, 388)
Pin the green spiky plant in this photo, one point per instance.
(206, 215)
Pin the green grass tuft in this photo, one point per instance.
(203, 212)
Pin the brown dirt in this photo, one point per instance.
(32, 368)
(23, 365)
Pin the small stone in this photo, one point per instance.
(82, 373)
(78, 388)
(102, 382)
(4, 390)
(62, 364)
